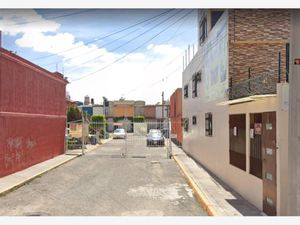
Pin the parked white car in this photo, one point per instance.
(119, 133)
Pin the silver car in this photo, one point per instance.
(155, 137)
(119, 133)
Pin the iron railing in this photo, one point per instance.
(257, 85)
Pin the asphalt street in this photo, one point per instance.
(105, 183)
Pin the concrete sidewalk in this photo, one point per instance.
(217, 198)
(15, 180)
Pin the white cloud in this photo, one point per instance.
(17, 21)
(133, 76)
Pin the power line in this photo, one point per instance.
(173, 36)
(89, 74)
(200, 55)
(115, 40)
(109, 43)
(50, 18)
(103, 37)
(122, 45)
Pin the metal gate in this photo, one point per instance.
(125, 138)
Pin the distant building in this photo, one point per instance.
(176, 114)
(86, 100)
(235, 105)
(150, 112)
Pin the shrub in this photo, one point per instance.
(138, 119)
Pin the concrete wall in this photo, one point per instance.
(158, 111)
(213, 152)
(149, 111)
(98, 110)
(32, 113)
(176, 114)
(123, 110)
(282, 151)
(294, 121)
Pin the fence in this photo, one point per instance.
(135, 139)
(258, 85)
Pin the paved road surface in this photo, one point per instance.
(101, 183)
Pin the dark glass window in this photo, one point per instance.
(215, 16)
(208, 124)
(196, 80)
(186, 124)
(194, 120)
(186, 91)
(203, 30)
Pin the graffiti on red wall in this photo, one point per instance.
(18, 148)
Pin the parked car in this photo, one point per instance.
(155, 137)
(119, 133)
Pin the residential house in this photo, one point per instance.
(235, 92)
(32, 113)
(176, 115)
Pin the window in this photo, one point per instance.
(215, 16)
(186, 124)
(237, 141)
(203, 30)
(186, 91)
(194, 120)
(196, 80)
(208, 124)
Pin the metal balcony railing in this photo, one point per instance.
(257, 85)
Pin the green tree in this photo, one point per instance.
(73, 114)
(98, 123)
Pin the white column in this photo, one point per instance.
(247, 142)
(294, 120)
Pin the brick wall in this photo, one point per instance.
(255, 38)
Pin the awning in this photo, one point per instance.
(244, 100)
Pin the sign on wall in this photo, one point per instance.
(257, 128)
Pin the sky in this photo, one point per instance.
(135, 54)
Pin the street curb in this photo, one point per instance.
(200, 196)
(14, 187)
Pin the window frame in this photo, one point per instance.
(203, 31)
(208, 124)
(186, 124)
(186, 91)
(196, 79)
(194, 120)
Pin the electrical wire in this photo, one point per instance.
(122, 45)
(119, 59)
(101, 38)
(107, 44)
(50, 18)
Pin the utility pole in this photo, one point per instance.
(82, 116)
(162, 109)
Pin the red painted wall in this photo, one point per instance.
(176, 114)
(32, 113)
